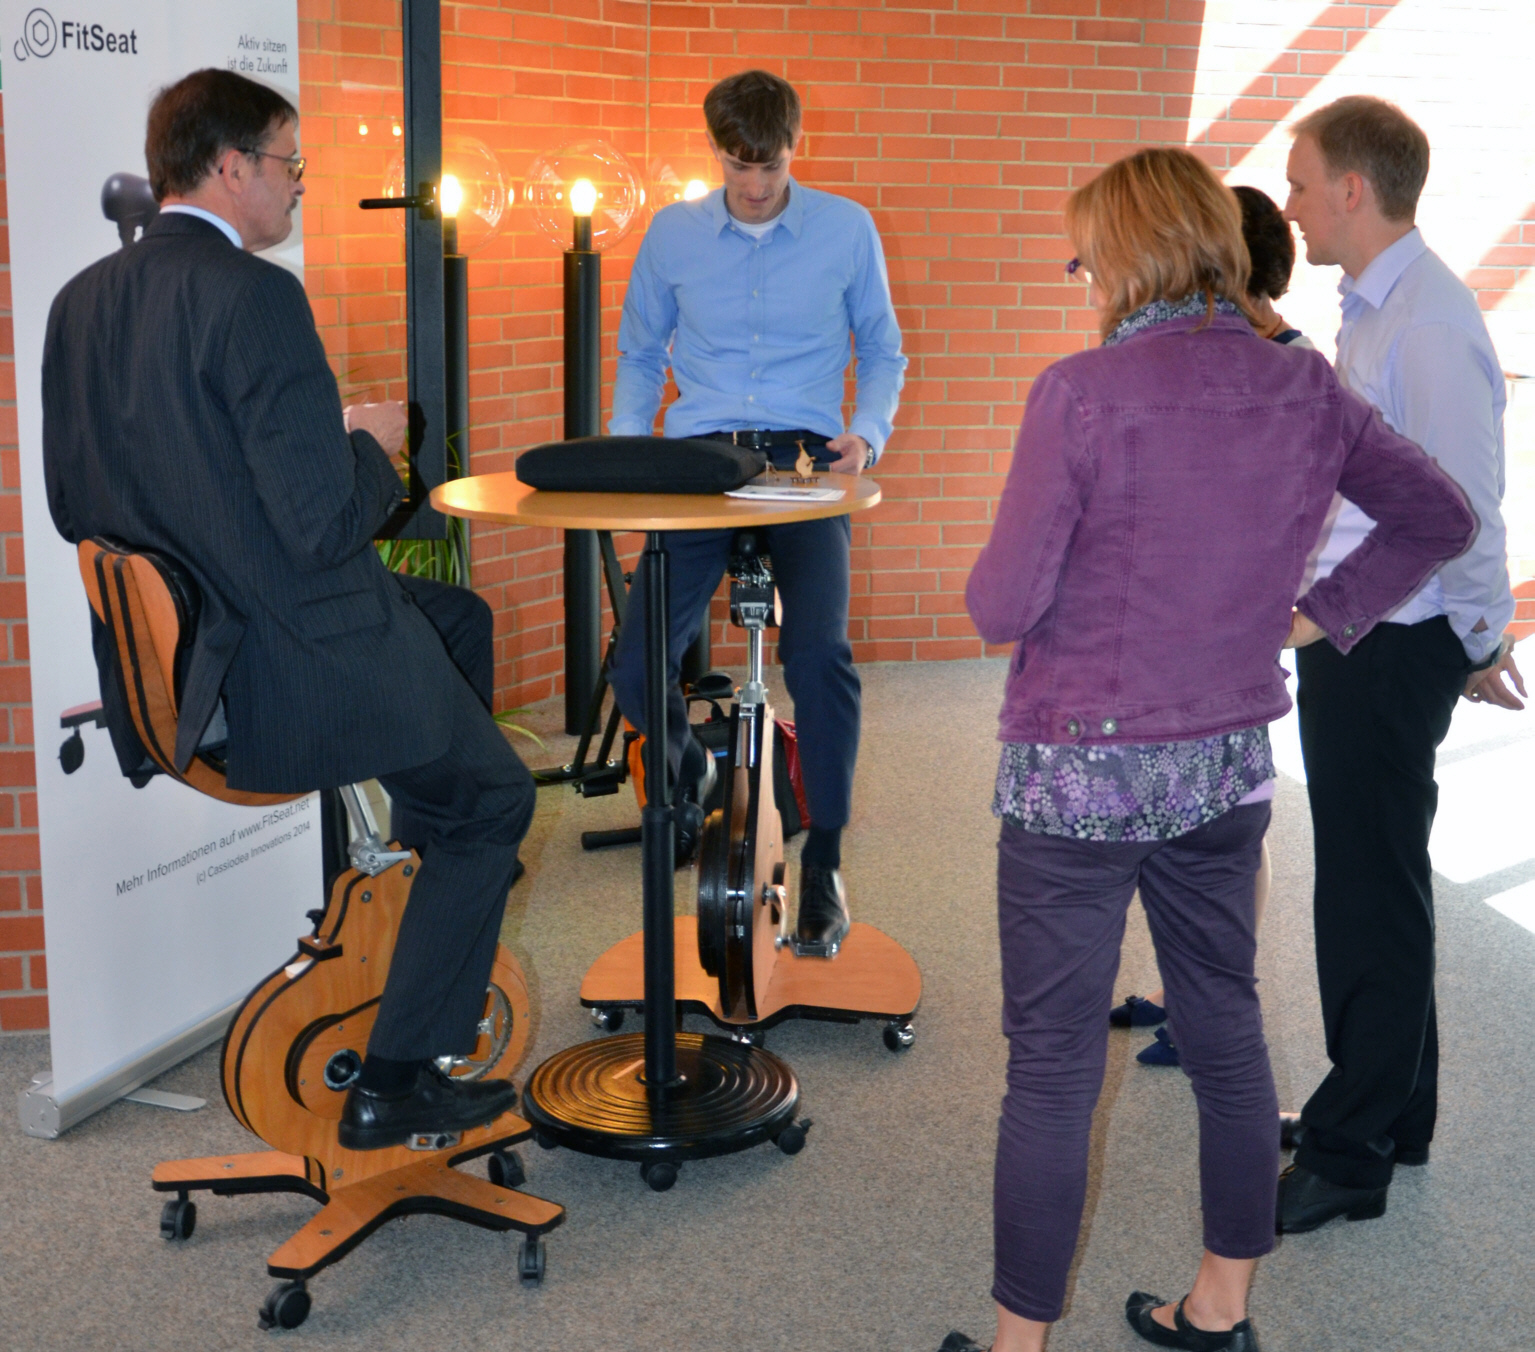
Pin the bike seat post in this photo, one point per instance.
(752, 608)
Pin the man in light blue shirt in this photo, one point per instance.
(1414, 344)
(754, 296)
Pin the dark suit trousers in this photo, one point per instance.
(1370, 723)
(467, 813)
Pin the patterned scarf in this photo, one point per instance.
(1160, 311)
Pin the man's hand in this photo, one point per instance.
(852, 452)
(1303, 631)
(1486, 687)
(386, 423)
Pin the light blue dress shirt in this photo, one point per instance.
(230, 233)
(757, 330)
(1414, 344)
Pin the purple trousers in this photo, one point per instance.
(1061, 911)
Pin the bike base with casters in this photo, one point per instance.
(871, 978)
(289, 1057)
(737, 962)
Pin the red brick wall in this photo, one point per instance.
(961, 126)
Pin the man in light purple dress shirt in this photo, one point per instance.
(1414, 344)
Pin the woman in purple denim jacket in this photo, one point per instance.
(1150, 541)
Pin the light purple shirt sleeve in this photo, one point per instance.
(1442, 383)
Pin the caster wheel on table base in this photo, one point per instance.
(609, 1020)
(544, 1141)
(530, 1260)
(791, 1140)
(178, 1218)
(659, 1174)
(899, 1036)
(504, 1169)
(286, 1308)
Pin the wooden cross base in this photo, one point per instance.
(872, 977)
(412, 1182)
(291, 1053)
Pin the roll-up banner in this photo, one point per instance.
(161, 907)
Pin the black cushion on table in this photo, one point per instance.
(638, 465)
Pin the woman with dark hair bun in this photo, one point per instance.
(1271, 251)
(1271, 247)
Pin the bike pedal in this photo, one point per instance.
(817, 950)
(431, 1141)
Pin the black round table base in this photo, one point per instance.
(592, 1098)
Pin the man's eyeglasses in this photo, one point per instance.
(295, 163)
(1075, 269)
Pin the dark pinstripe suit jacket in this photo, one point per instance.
(188, 408)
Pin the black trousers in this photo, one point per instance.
(467, 813)
(1370, 723)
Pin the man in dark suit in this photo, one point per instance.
(188, 408)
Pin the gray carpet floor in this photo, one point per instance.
(877, 1236)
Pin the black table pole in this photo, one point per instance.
(657, 847)
(583, 418)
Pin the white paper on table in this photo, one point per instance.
(785, 493)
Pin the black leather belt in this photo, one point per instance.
(761, 438)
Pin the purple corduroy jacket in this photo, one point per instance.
(1152, 535)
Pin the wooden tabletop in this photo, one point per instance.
(503, 497)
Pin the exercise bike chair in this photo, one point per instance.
(736, 961)
(297, 1042)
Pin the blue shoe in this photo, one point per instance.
(1136, 1013)
(1159, 1053)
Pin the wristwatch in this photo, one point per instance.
(869, 458)
(1498, 653)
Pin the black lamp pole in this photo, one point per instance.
(455, 322)
(583, 418)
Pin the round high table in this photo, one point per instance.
(660, 1096)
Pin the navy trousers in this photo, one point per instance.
(810, 565)
(1061, 911)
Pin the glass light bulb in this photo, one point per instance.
(589, 180)
(583, 197)
(695, 189)
(451, 195)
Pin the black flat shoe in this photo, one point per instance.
(1242, 1338)
(438, 1105)
(958, 1342)
(823, 915)
(1307, 1200)
(1290, 1131)
(1136, 1013)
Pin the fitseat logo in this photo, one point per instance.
(42, 35)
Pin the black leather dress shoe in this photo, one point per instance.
(1241, 1338)
(958, 1342)
(695, 782)
(438, 1104)
(1307, 1200)
(823, 916)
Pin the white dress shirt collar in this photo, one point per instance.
(230, 232)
